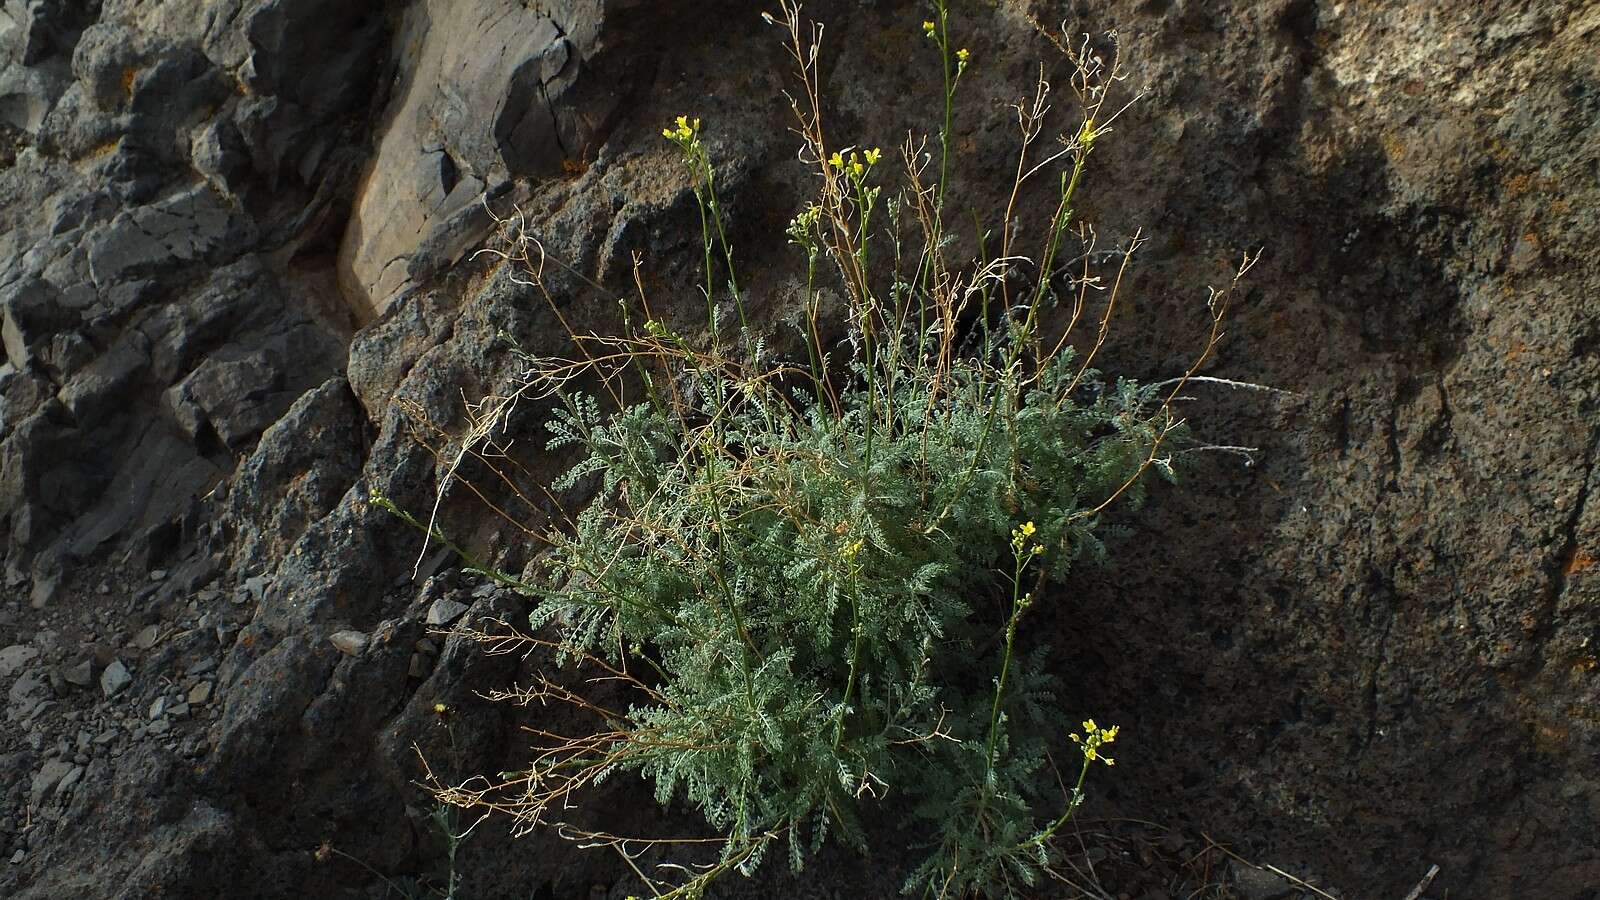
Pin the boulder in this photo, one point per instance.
(31, 315)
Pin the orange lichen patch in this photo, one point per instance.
(573, 168)
(1517, 185)
(1412, 88)
(1584, 665)
(1581, 560)
(1393, 146)
(1517, 349)
(128, 75)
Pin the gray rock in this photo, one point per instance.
(81, 674)
(238, 398)
(443, 611)
(30, 316)
(157, 709)
(28, 693)
(69, 780)
(68, 353)
(185, 227)
(350, 643)
(115, 678)
(1255, 883)
(299, 470)
(517, 111)
(254, 588)
(46, 779)
(200, 694)
(106, 382)
(219, 153)
(147, 637)
(15, 658)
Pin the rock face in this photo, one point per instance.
(237, 297)
(496, 94)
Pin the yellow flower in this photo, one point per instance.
(927, 28)
(873, 155)
(1028, 529)
(836, 161)
(440, 708)
(1097, 738)
(963, 55)
(684, 133)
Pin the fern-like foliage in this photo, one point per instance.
(823, 622)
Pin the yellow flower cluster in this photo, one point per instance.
(1022, 536)
(858, 163)
(686, 132)
(1097, 738)
(851, 550)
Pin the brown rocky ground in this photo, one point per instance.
(234, 240)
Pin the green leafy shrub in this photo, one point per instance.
(809, 575)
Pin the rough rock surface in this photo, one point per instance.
(237, 296)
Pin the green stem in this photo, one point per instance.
(943, 20)
(855, 655)
(1075, 801)
(1018, 606)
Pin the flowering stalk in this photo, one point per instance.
(1023, 550)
